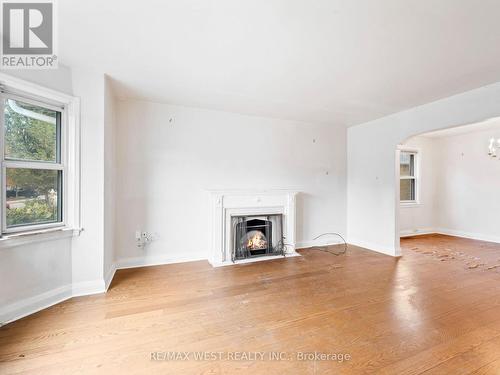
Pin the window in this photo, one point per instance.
(40, 163)
(33, 168)
(408, 176)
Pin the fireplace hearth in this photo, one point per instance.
(257, 236)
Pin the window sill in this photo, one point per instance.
(37, 236)
(410, 204)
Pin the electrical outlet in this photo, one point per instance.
(143, 238)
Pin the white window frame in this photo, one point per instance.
(9, 163)
(69, 164)
(416, 175)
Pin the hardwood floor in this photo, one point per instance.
(431, 311)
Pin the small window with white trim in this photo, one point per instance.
(408, 176)
(33, 164)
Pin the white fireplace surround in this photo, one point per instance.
(225, 204)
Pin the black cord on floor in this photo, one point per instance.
(325, 248)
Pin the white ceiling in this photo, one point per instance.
(335, 61)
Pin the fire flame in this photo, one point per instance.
(256, 241)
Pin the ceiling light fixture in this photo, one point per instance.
(493, 147)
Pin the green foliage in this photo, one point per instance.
(34, 211)
(38, 181)
(27, 138)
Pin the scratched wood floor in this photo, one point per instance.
(416, 314)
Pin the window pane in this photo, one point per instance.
(407, 164)
(31, 132)
(33, 196)
(407, 189)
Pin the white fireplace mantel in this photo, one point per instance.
(227, 203)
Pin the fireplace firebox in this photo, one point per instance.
(257, 236)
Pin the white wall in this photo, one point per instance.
(30, 271)
(165, 169)
(88, 248)
(109, 181)
(469, 186)
(421, 218)
(372, 210)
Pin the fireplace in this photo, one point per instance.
(257, 236)
(231, 215)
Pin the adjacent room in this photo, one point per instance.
(448, 187)
(250, 187)
(449, 181)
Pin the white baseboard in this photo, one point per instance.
(28, 306)
(470, 235)
(313, 243)
(31, 305)
(86, 288)
(109, 276)
(387, 250)
(416, 232)
(451, 232)
(157, 260)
